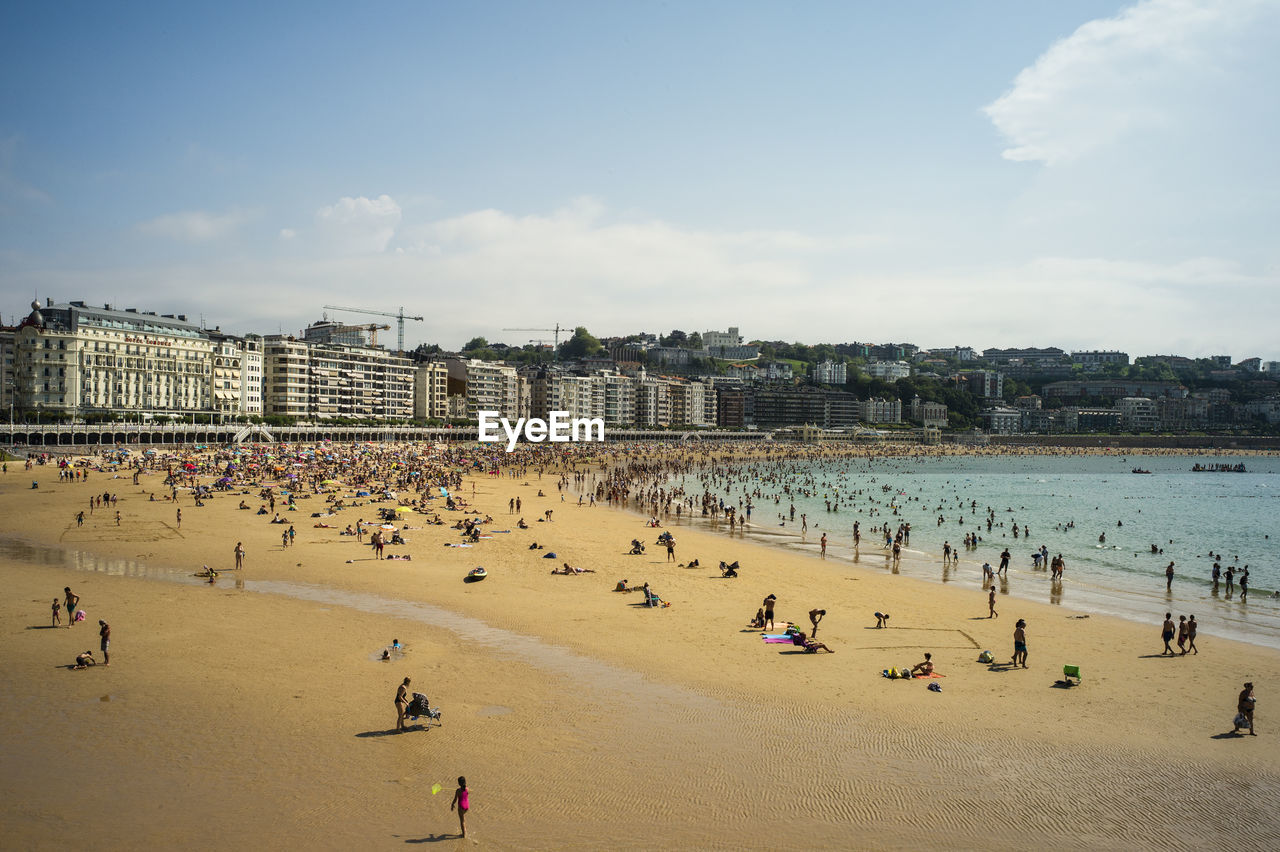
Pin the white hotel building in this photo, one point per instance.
(81, 359)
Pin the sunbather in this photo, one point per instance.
(569, 569)
(810, 646)
(923, 669)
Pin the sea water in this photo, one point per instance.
(1094, 510)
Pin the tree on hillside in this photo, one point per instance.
(475, 343)
(581, 345)
(675, 338)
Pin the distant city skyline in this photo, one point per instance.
(1087, 176)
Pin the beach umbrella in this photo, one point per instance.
(387, 527)
(403, 509)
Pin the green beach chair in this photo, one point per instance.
(1069, 672)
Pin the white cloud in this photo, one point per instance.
(287, 233)
(359, 225)
(1117, 76)
(194, 226)
(476, 273)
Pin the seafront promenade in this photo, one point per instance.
(68, 437)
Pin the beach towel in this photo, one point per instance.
(922, 677)
(457, 545)
(80, 616)
(777, 640)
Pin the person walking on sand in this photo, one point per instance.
(402, 704)
(823, 542)
(461, 801)
(104, 634)
(671, 549)
(1168, 578)
(179, 519)
(1244, 706)
(72, 599)
(57, 613)
(239, 551)
(991, 603)
(1182, 635)
(1020, 643)
(1191, 635)
(1167, 633)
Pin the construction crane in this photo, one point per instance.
(401, 316)
(373, 328)
(555, 352)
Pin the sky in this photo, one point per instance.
(1086, 175)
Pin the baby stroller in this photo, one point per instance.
(419, 706)
(730, 570)
(637, 547)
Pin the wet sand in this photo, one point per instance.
(255, 712)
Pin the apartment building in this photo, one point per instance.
(832, 373)
(688, 403)
(889, 371)
(878, 410)
(322, 381)
(431, 391)
(1138, 414)
(487, 386)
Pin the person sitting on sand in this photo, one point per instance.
(758, 621)
(243, 505)
(83, 661)
(882, 619)
(623, 587)
(924, 669)
(521, 524)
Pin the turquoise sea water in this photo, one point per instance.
(1187, 515)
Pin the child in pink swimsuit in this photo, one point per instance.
(463, 802)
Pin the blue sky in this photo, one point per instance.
(1086, 175)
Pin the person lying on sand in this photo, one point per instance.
(568, 569)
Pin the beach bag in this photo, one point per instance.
(986, 657)
(1240, 721)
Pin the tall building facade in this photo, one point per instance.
(81, 359)
(324, 381)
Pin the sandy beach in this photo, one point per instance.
(255, 711)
